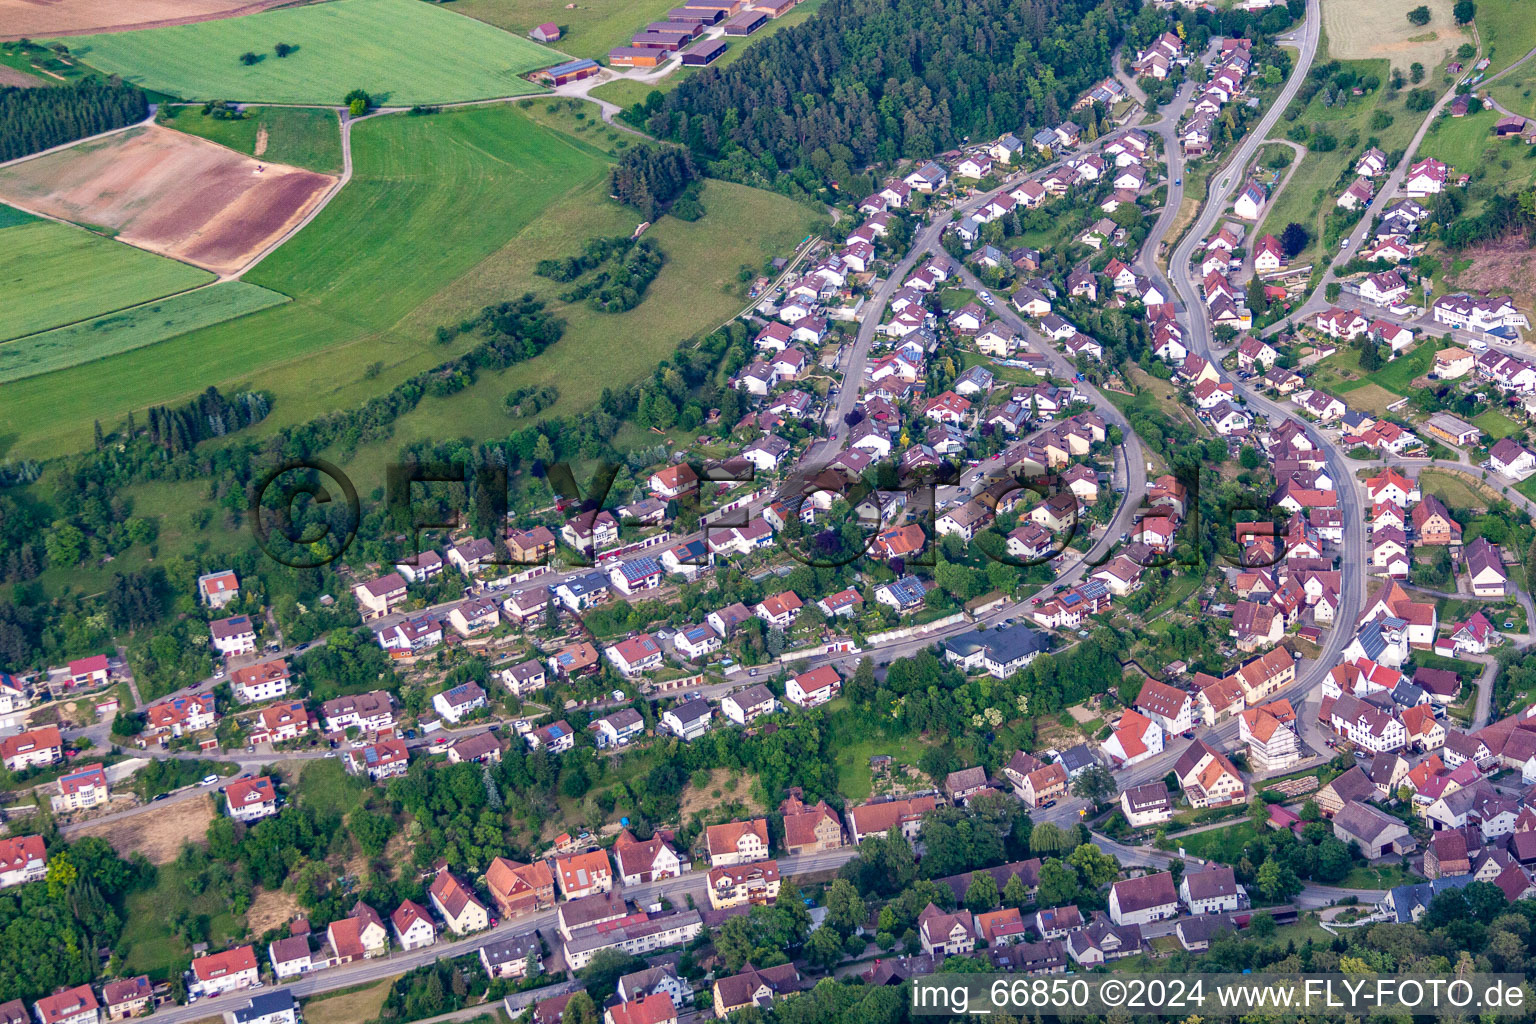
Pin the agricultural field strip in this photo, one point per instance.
(57, 274)
(135, 327)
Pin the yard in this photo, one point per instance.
(149, 945)
(348, 1006)
(1374, 399)
(301, 136)
(1496, 423)
(326, 788)
(1453, 489)
(1385, 876)
(1468, 145)
(400, 51)
(58, 274)
(1224, 844)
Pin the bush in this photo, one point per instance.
(1419, 16)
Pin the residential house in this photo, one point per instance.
(461, 911)
(1146, 805)
(1143, 900)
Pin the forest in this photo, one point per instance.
(878, 80)
(32, 120)
(50, 930)
(650, 178)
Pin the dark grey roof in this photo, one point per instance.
(512, 948)
(1077, 758)
(264, 1004)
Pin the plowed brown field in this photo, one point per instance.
(42, 18)
(169, 193)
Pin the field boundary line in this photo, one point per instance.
(125, 309)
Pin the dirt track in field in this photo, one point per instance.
(38, 19)
(173, 194)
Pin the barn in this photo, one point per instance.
(776, 8)
(690, 16)
(636, 57)
(693, 30)
(571, 71)
(745, 23)
(668, 41)
(704, 53)
(548, 32)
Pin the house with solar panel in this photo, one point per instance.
(637, 574)
(556, 737)
(382, 760)
(904, 595)
(461, 700)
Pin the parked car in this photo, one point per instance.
(209, 780)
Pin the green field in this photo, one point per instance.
(444, 215)
(10, 216)
(299, 136)
(1314, 187)
(401, 51)
(1467, 144)
(1508, 32)
(129, 329)
(53, 274)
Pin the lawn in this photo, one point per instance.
(325, 788)
(1453, 489)
(1467, 144)
(1365, 876)
(1373, 398)
(300, 136)
(148, 945)
(1338, 373)
(1508, 32)
(129, 329)
(952, 299)
(1309, 197)
(1496, 424)
(1179, 590)
(1220, 844)
(1402, 371)
(56, 274)
(400, 51)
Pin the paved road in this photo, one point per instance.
(1386, 193)
(1225, 181)
(676, 890)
